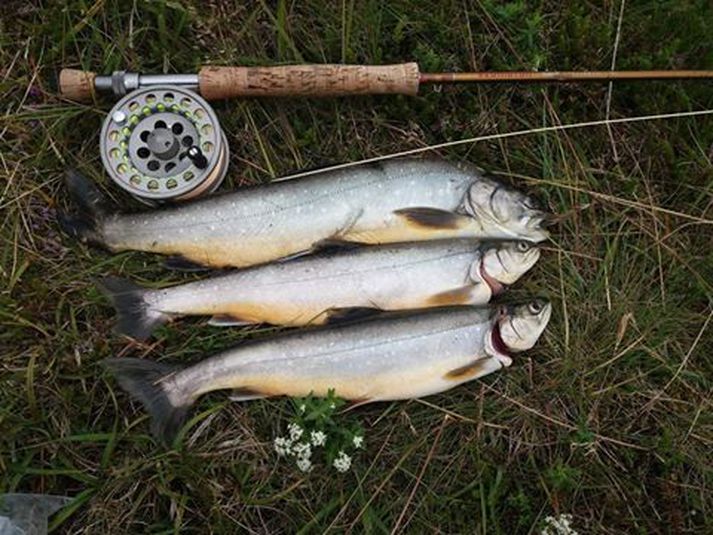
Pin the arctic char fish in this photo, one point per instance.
(387, 358)
(394, 201)
(325, 288)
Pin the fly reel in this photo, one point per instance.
(164, 143)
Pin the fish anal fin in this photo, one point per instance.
(246, 393)
(456, 296)
(467, 371)
(433, 218)
(291, 257)
(226, 320)
(341, 315)
(354, 404)
(181, 263)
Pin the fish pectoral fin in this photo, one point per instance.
(226, 320)
(341, 315)
(181, 263)
(322, 247)
(332, 245)
(456, 296)
(467, 371)
(433, 218)
(246, 394)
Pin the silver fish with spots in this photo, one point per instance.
(387, 358)
(394, 201)
(328, 288)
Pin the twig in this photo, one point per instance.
(611, 198)
(564, 424)
(420, 474)
(458, 416)
(611, 84)
(683, 362)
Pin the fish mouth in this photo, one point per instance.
(546, 219)
(537, 233)
(495, 285)
(530, 258)
(498, 342)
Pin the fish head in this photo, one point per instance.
(504, 263)
(505, 212)
(521, 326)
(516, 328)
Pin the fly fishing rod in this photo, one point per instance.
(215, 83)
(162, 141)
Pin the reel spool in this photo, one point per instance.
(164, 143)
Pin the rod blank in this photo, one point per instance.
(329, 80)
(557, 76)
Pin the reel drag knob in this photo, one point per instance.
(164, 143)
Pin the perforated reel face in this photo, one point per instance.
(162, 143)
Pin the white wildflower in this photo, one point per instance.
(318, 438)
(332, 406)
(283, 446)
(342, 462)
(295, 431)
(358, 441)
(302, 450)
(303, 408)
(559, 525)
(304, 464)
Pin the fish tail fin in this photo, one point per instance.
(135, 317)
(144, 380)
(86, 226)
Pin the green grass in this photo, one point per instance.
(607, 419)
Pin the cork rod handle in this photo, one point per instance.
(76, 85)
(308, 80)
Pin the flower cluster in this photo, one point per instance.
(343, 462)
(314, 428)
(291, 445)
(560, 525)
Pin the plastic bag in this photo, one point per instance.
(26, 514)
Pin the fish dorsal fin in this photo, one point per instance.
(342, 315)
(246, 393)
(457, 296)
(181, 263)
(467, 371)
(433, 218)
(226, 320)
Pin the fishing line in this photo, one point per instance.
(516, 133)
(543, 129)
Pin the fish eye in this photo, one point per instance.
(531, 203)
(535, 307)
(523, 246)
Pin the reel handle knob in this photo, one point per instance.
(308, 80)
(77, 85)
(196, 156)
